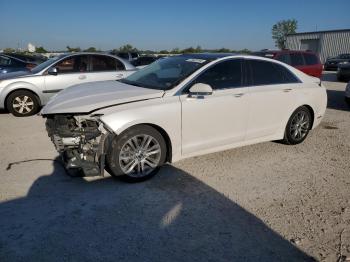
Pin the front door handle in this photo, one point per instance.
(287, 89)
(238, 95)
(119, 75)
(82, 77)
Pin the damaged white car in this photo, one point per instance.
(181, 107)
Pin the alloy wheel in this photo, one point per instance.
(23, 104)
(140, 155)
(300, 125)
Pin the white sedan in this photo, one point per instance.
(181, 107)
(22, 93)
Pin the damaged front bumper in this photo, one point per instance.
(80, 140)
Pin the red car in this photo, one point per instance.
(306, 61)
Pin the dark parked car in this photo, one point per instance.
(333, 62)
(306, 61)
(128, 56)
(144, 60)
(17, 62)
(343, 73)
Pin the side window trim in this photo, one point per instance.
(251, 81)
(70, 57)
(192, 82)
(106, 71)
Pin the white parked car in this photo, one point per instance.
(22, 93)
(179, 107)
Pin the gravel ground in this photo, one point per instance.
(266, 202)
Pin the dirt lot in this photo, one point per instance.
(266, 202)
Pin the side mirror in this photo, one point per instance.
(200, 89)
(52, 71)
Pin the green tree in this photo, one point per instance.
(175, 50)
(73, 49)
(281, 29)
(188, 50)
(223, 50)
(164, 51)
(127, 48)
(9, 50)
(90, 49)
(40, 49)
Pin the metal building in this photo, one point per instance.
(325, 43)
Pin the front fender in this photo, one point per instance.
(5, 91)
(164, 113)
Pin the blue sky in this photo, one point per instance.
(156, 25)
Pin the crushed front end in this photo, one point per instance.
(80, 140)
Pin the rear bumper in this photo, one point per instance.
(330, 66)
(343, 73)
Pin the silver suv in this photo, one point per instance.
(23, 93)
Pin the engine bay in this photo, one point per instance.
(80, 141)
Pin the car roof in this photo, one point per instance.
(207, 56)
(284, 51)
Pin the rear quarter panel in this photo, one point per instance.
(314, 96)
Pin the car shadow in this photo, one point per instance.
(336, 100)
(172, 217)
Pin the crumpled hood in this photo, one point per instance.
(84, 98)
(14, 75)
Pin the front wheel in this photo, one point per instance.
(298, 126)
(137, 154)
(22, 103)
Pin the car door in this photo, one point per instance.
(218, 119)
(105, 67)
(70, 71)
(272, 95)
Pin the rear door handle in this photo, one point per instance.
(238, 95)
(82, 77)
(287, 90)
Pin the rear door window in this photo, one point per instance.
(102, 63)
(5, 61)
(285, 58)
(296, 59)
(311, 59)
(269, 73)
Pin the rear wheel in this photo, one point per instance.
(298, 126)
(22, 103)
(137, 154)
(347, 100)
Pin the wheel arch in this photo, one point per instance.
(312, 112)
(161, 130)
(21, 89)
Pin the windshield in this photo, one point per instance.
(165, 73)
(47, 63)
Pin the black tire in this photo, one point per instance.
(347, 100)
(290, 131)
(14, 106)
(340, 78)
(113, 165)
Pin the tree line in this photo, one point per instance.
(279, 32)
